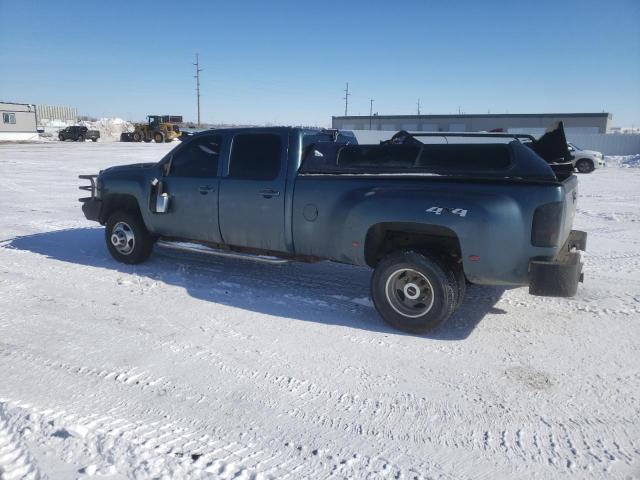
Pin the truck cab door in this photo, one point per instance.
(252, 193)
(192, 185)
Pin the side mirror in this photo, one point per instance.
(162, 203)
(159, 200)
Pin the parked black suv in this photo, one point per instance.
(78, 134)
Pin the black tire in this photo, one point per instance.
(80, 138)
(137, 243)
(424, 272)
(61, 137)
(584, 165)
(94, 139)
(137, 137)
(158, 137)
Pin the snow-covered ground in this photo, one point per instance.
(226, 368)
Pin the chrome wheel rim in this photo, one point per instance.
(409, 293)
(123, 238)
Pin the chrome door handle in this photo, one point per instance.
(204, 189)
(269, 192)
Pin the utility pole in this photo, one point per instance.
(346, 99)
(418, 106)
(197, 77)
(370, 113)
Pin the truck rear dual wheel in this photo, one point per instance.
(127, 238)
(415, 292)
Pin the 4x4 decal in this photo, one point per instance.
(455, 211)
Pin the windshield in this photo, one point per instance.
(574, 146)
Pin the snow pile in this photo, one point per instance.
(110, 128)
(624, 161)
(45, 122)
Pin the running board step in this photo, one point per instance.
(197, 248)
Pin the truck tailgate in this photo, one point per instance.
(570, 186)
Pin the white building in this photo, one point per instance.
(17, 122)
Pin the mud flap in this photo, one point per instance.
(560, 276)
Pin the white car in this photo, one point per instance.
(586, 161)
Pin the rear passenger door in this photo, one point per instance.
(252, 193)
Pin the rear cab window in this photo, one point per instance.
(256, 156)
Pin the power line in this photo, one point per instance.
(197, 77)
(346, 99)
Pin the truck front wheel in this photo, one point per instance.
(127, 238)
(414, 292)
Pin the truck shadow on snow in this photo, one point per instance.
(324, 292)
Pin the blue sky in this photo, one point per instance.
(287, 62)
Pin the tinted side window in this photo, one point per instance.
(255, 156)
(199, 158)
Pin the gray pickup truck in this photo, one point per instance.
(78, 133)
(428, 218)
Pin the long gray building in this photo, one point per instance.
(52, 113)
(533, 123)
(17, 122)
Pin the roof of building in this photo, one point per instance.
(479, 115)
(17, 103)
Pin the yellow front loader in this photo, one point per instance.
(160, 128)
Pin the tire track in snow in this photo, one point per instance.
(109, 444)
(407, 418)
(130, 377)
(225, 458)
(15, 460)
